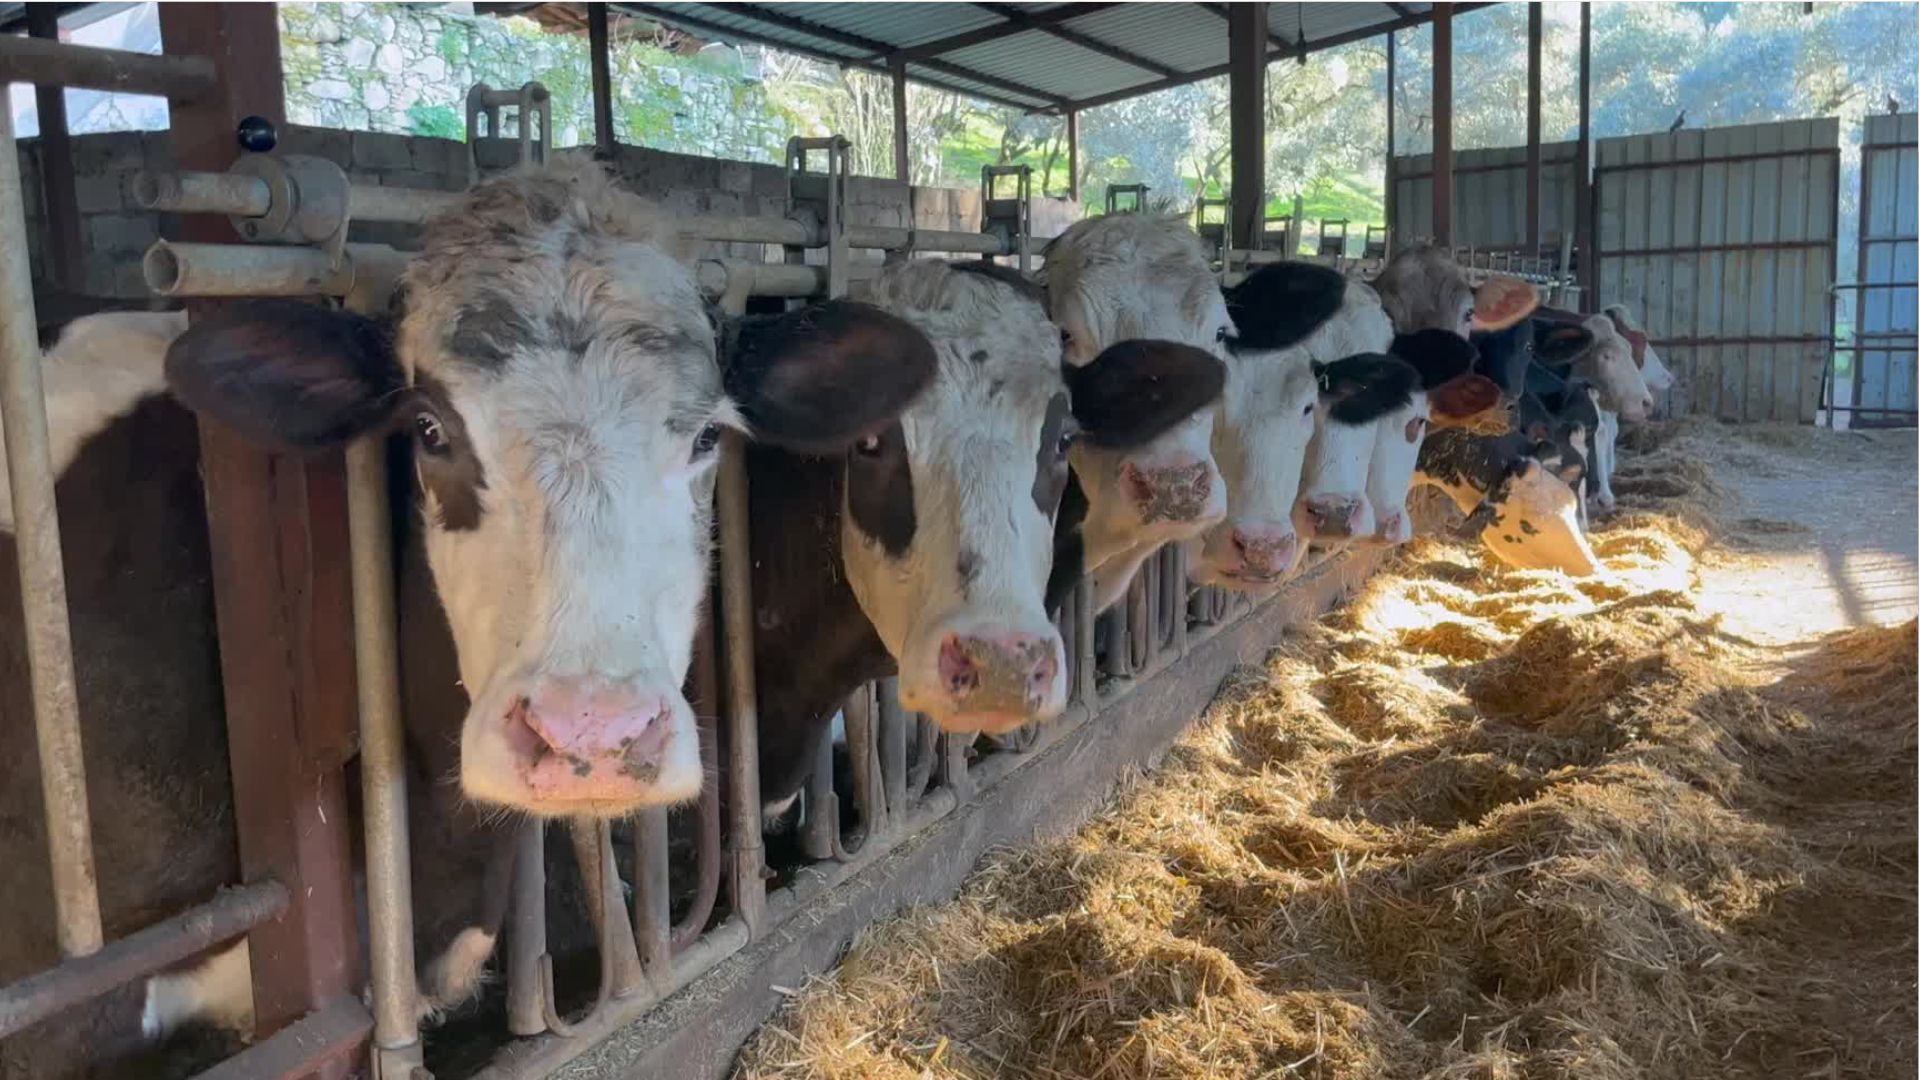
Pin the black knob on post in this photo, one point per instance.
(256, 135)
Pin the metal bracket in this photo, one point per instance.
(307, 203)
(1008, 219)
(1213, 233)
(1138, 205)
(821, 198)
(483, 101)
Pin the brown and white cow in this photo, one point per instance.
(927, 549)
(558, 387)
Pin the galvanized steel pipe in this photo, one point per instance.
(230, 913)
(83, 67)
(43, 579)
(233, 194)
(259, 270)
(383, 764)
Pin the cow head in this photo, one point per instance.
(1139, 276)
(558, 376)
(1658, 376)
(1609, 363)
(1355, 394)
(1286, 316)
(1423, 288)
(1443, 363)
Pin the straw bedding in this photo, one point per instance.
(1479, 824)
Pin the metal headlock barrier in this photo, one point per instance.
(904, 774)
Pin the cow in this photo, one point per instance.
(1112, 279)
(554, 389)
(1659, 382)
(1288, 317)
(1447, 392)
(927, 548)
(1610, 363)
(1423, 288)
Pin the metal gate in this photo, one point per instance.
(1884, 329)
(1725, 240)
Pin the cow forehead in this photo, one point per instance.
(1133, 275)
(997, 352)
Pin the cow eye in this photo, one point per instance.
(868, 447)
(1066, 338)
(1066, 442)
(1220, 335)
(1308, 411)
(705, 442)
(430, 433)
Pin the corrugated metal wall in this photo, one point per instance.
(1489, 196)
(1884, 377)
(1724, 240)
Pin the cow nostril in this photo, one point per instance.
(959, 666)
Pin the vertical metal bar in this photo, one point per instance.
(597, 45)
(820, 826)
(527, 933)
(1141, 632)
(869, 789)
(953, 765)
(746, 886)
(902, 162)
(1073, 155)
(1088, 689)
(383, 765)
(894, 721)
(1443, 124)
(65, 258)
(1247, 39)
(1583, 210)
(652, 908)
(1393, 100)
(43, 579)
(1536, 24)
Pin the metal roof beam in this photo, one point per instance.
(1085, 41)
(882, 51)
(918, 53)
(714, 30)
(1287, 51)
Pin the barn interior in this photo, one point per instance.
(1418, 812)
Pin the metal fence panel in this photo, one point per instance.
(1884, 328)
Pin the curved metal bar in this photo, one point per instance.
(610, 903)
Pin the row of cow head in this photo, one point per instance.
(564, 386)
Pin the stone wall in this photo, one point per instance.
(115, 235)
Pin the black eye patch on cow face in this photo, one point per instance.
(1136, 391)
(1560, 343)
(817, 379)
(1281, 304)
(443, 454)
(1050, 460)
(289, 375)
(1363, 388)
(1439, 356)
(880, 489)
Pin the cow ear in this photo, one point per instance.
(289, 375)
(1468, 398)
(1561, 342)
(1135, 391)
(1366, 386)
(818, 379)
(1440, 356)
(1280, 304)
(1502, 301)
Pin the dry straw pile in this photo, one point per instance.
(1483, 824)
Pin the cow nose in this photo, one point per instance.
(1395, 529)
(1264, 551)
(1335, 516)
(1169, 492)
(996, 682)
(591, 739)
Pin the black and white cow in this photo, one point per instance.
(1447, 392)
(1119, 278)
(927, 548)
(557, 387)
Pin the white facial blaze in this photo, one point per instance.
(1397, 439)
(1609, 363)
(982, 548)
(1336, 470)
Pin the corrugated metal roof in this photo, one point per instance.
(897, 25)
(721, 17)
(1168, 33)
(1322, 21)
(1040, 60)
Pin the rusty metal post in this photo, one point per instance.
(1583, 232)
(383, 762)
(1247, 40)
(43, 579)
(1393, 104)
(1073, 155)
(527, 932)
(1535, 32)
(902, 161)
(1443, 124)
(597, 45)
(748, 888)
(278, 541)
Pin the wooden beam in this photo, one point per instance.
(1085, 41)
(1589, 274)
(902, 163)
(1073, 154)
(1282, 53)
(716, 31)
(1535, 32)
(277, 537)
(66, 260)
(1392, 105)
(1246, 121)
(1443, 124)
(597, 46)
(995, 32)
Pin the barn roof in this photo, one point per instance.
(1047, 57)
